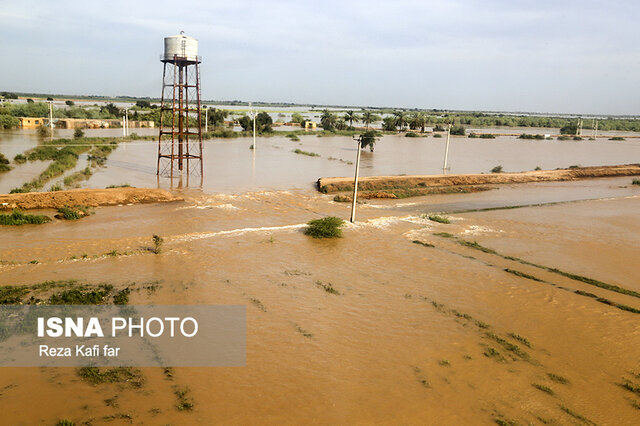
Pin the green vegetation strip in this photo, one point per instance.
(17, 218)
(64, 155)
(590, 281)
(307, 153)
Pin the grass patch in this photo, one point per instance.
(616, 138)
(439, 219)
(444, 235)
(342, 199)
(507, 345)
(123, 185)
(528, 136)
(17, 218)
(543, 388)
(55, 187)
(303, 332)
(422, 243)
(293, 137)
(327, 227)
(19, 159)
(444, 363)
(258, 304)
(72, 213)
(307, 153)
(184, 402)
(474, 245)
(631, 387)
(327, 287)
(520, 339)
(122, 297)
(97, 376)
(82, 297)
(411, 135)
(575, 277)
(558, 379)
(494, 354)
(157, 244)
(481, 324)
(635, 182)
(74, 178)
(523, 275)
(4, 163)
(576, 415)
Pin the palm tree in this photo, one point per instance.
(418, 120)
(328, 120)
(368, 117)
(401, 119)
(351, 116)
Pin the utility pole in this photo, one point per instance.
(355, 182)
(595, 130)
(51, 125)
(206, 120)
(253, 117)
(579, 131)
(446, 151)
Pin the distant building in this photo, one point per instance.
(32, 122)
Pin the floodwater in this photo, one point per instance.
(231, 167)
(411, 336)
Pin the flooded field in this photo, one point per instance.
(231, 167)
(500, 315)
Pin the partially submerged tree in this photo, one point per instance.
(369, 118)
(368, 139)
(351, 116)
(328, 120)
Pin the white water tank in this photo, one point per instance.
(182, 47)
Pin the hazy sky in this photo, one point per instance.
(544, 56)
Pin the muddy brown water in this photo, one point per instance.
(400, 343)
(231, 167)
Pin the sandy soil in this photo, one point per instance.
(373, 183)
(85, 197)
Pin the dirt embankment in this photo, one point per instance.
(85, 197)
(431, 182)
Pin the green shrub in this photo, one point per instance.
(616, 138)
(72, 213)
(309, 154)
(528, 136)
(19, 159)
(78, 134)
(437, 135)
(412, 135)
(458, 131)
(55, 187)
(439, 219)
(577, 138)
(327, 227)
(124, 185)
(4, 163)
(487, 136)
(563, 138)
(635, 182)
(18, 218)
(497, 169)
(157, 243)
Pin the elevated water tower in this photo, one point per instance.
(180, 137)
